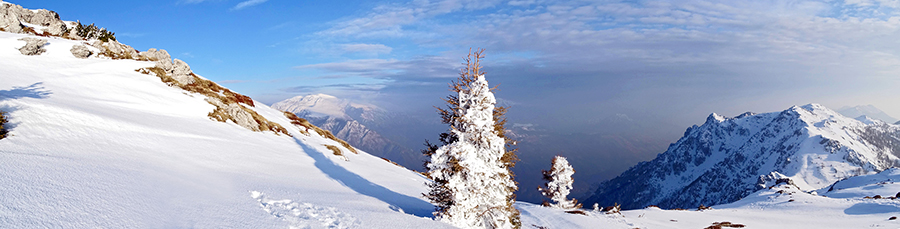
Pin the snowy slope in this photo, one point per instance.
(726, 159)
(881, 184)
(95, 143)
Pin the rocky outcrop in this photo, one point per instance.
(233, 112)
(33, 46)
(80, 51)
(10, 18)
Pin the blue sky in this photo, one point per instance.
(560, 63)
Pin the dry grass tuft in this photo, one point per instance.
(159, 72)
(324, 133)
(392, 162)
(335, 150)
(299, 122)
(30, 30)
(577, 212)
(3, 121)
(720, 225)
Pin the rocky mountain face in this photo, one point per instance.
(353, 123)
(726, 159)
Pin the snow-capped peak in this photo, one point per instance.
(727, 158)
(868, 110)
(322, 105)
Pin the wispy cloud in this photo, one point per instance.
(367, 48)
(248, 3)
(415, 69)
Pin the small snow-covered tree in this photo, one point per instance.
(559, 183)
(472, 183)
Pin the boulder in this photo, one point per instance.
(115, 50)
(81, 51)
(157, 55)
(181, 72)
(44, 18)
(33, 46)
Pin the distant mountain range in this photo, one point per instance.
(726, 159)
(867, 110)
(360, 125)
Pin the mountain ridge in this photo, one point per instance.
(866, 110)
(725, 159)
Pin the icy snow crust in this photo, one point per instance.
(726, 159)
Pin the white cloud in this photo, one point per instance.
(248, 3)
(790, 52)
(389, 20)
(367, 48)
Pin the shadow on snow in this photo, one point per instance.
(36, 91)
(408, 204)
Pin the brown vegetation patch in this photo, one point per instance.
(577, 212)
(214, 91)
(324, 133)
(29, 30)
(335, 150)
(299, 122)
(720, 225)
(392, 162)
(3, 121)
(615, 209)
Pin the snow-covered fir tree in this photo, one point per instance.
(559, 183)
(472, 183)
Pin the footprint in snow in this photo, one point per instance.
(305, 215)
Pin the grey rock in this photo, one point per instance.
(9, 19)
(80, 51)
(157, 55)
(33, 46)
(181, 72)
(116, 50)
(57, 28)
(43, 18)
(236, 114)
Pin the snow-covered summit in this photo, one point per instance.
(726, 159)
(868, 110)
(323, 105)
